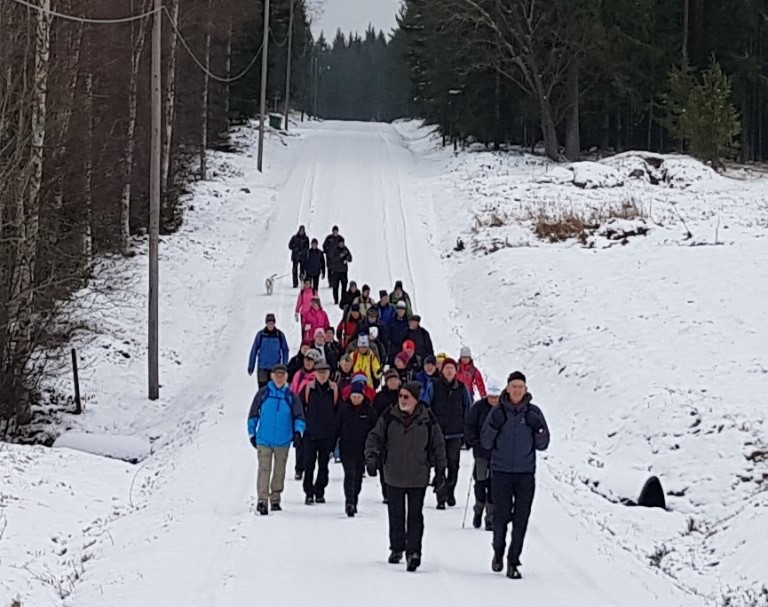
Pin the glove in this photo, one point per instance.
(371, 469)
(253, 441)
(534, 421)
(296, 439)
(250, 372)
(296, 317)
(307, 328)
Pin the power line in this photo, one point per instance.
(87, 19)
(200, 63)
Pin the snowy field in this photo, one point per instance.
(647, 353)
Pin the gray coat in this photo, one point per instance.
(508, 434)
(408, 446)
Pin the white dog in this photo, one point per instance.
(269, 283)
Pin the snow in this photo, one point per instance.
(648, 359)
(127, 448)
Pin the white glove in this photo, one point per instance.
(307, 328)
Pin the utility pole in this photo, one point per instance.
(288, 67)
(264, 65)
(154, 206)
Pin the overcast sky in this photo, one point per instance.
(355, 15)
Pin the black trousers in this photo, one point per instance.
(315, 281)
(483, 482)
(353, 476)
(295, 273)
(338, 279)
(316, 450)
(453, 454)
(406, 518)
(511, 492)
(262, 377)
(300, 457)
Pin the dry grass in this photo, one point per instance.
(581, 225)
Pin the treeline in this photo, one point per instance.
(578, 74)
(75, 135)
(360, 78)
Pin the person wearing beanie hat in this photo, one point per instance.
(450, 402)
(366, 361)
(297, 361)
(333, 349)
(343, 376)
(307, 372)
(315, 318)
(401, 366)
(420, 337)
(386, 310)
(482, 469)
(469, 374)
(349, 326)
(304, 301)
(429, 372)
(270, 348)
(441, 356)
(406, 432)
(338, 258)
(382, 402)
(512, 432)
(355, 419)
(320, 397)
(398, 294)
(348, 296)
(298, 245)
(364, 300)
(313, 264)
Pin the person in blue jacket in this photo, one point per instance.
(270, 348)
(387, 311)
(276, 420)
(512, 432)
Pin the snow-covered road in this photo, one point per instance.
(197, 540)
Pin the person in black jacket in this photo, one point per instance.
(356, 418)
(419, 336)
(513, 432)
(320, 398)
(313, 264)
(482, 469)
(331, 242)
(299, 244)
(398, 331)
(339, 258)
(348, 296)
(381, 403)
(450, 402)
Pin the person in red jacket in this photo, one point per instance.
(347, 329)
(469, 374)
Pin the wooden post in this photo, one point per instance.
(153, 357)
(78, 403)
(288, 66)
(263, 104)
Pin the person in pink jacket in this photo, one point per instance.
(307, 373)
(315, 318)
(469, 374)
(304, 300)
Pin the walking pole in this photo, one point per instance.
(466, 507)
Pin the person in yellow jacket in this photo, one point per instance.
(366, 362)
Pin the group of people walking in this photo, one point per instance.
(372, 390)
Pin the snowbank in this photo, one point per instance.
(130, 449)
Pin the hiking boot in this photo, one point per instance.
(276, 507)
(451, 501)
(298, 476)
(385, 500)
(309, 500)
(395, 557)
(413, 561)
(261, 508)
(477, 519)
(351, 510)
(497, 564)
(513, 572)
(441, 505)
(319, 499)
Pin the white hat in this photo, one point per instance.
(495, 387)
(402, 305)
(362, 341)
(465, 352)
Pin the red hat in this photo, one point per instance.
(409, 345)
(403, 357)
(450, 361)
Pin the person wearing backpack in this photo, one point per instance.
(512, 433)
(450, 403)
(275, 419)
(408, 439)
(356, 418)
(382, 402)
(482, 468)
(320, 398)
(270, 348)
(469, 374)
